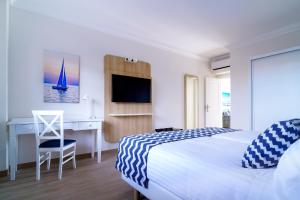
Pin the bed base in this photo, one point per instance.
(153, 192)
(136, 195)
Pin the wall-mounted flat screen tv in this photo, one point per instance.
(130, 89)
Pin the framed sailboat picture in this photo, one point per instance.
(61, 77)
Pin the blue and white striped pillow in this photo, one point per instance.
(266, 150)
(296, 122)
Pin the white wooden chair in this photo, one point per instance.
(49, 132)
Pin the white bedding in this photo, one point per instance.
(208, 168)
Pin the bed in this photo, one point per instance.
(205, 168)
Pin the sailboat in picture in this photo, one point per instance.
(62, 81)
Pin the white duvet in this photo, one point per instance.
(209, 168)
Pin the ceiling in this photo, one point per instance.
(199, 28)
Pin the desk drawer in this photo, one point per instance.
(26, 128)
(88, 125)
(67, 125)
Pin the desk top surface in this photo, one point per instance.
(29, 120)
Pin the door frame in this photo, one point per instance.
(186, 76)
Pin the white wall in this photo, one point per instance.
(4, 16)
(31, 34)
(240, 74)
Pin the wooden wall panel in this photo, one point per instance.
(137, 117)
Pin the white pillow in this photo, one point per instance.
(287, 175)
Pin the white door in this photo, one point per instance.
(213, 113)
(275, 89)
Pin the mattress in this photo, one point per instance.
(208, 168)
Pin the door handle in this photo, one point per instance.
(206, 107)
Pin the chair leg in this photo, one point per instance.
(60, 165)
(38, 169)
(74, 157)
(49, 161)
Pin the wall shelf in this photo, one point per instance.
(129, 114)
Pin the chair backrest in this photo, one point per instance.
(48, 124)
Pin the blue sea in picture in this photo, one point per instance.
(56, 96)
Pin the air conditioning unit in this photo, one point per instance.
(220, 66)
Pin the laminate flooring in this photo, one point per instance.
(89, 180)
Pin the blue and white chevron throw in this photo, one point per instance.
(266, 150)
(133, 150)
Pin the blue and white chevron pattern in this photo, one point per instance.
(133, 150)
(266, 150)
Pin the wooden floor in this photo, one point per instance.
(89, 181)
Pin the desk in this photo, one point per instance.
(21, 126)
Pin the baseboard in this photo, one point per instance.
(54, 160)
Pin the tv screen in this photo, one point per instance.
(131, 89)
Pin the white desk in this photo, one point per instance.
(20, 126)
